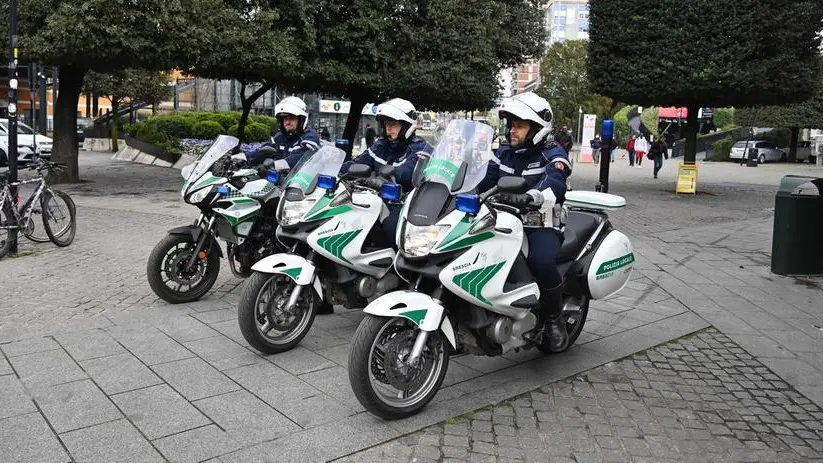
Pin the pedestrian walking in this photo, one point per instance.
(656, 153)
(630, 149)
(596, 145)
(641, 147)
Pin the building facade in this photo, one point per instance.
(565, 20)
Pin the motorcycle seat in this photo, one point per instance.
(579, 228)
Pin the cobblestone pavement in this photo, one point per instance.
(701, 398)
(95, 368)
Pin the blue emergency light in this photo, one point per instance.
(470, 204)
(608, 128)
(223, 190)
(390, 191)
(327, 182)
(273, 176)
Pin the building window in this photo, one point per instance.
(583, 15)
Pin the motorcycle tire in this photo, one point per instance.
(157, 262)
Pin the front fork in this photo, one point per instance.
(204, 238)
(298, 289)
(423, 336)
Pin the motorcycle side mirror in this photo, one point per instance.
(267, 150)
(358, 171)
(422, 160)
(514, 185)
(268, 163)
(386, 172)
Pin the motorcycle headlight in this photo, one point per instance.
(419, 240)
(199, 195)
(293, 211)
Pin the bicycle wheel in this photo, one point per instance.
(8, 236)
(30, 228)
(59, 217)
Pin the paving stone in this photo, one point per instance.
(29, 346)
(74, 405)
(119, 373)
(159, 411)
(245, 415)
(647, 420)
(222, 353)
(26, 438)
(114, 441)
(154, 347)
(13, 398)
(47, 368)
(195, 379)
(89, 345)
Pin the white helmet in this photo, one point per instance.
(399, 110)
(295, 107)
(528, 107)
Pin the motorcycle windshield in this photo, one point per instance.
(222, 145)
(458, 159)
(325, 161)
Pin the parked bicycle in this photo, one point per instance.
(55, 208)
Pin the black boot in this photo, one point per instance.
(557, 338)
(325, 308)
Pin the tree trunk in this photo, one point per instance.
(691, 134)
(115, 106)
(247, 102)
(95, 108)
(353, 120)
(65, 123)
(88, 104)
(793, 144)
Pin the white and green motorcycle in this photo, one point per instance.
(336, 252)
(237, 205)
(472, 291)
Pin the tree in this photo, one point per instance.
(704, 53)
(441, 55)
(256, 48)
(127, 86)
(104, 35)
(565, 84)
(807, 115)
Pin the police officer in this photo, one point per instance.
(545, 166)
(294, 138)
(397, 146)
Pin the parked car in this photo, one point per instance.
(82, 124)
(766, 151)
(25, 153)
(26, 136)
(804, 151)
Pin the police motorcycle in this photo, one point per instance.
(471, 290)
(237, 205)
(336, 251)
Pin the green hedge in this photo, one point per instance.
(722, 150)
(207, 130)
(780, 137)
(254, 131)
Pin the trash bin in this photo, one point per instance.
(344, 145)
(797, 241)
(751, 158)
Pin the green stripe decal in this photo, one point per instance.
(336, 243)
(292, 272)
(615, 264)
(468, 241)
(473, 282)
(416, 316)
(459, 229)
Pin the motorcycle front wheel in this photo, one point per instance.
(380, 375)
(267, 321)
(168, 277)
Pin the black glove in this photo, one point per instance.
(375, 183)
(518, 201)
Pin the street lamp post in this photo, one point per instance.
(580, 126)
(12, 151)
